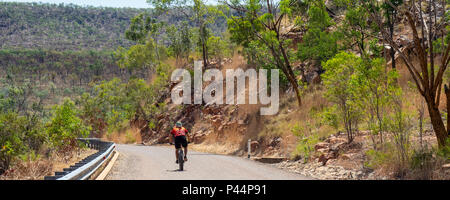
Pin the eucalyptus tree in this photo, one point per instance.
(427, 21)
(197, 11)
(259, 22)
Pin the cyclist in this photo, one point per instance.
(179, 134)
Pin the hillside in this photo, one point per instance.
(72, 27)
(60, 27)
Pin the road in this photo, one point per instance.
(137, 162)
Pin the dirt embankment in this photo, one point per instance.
(222, 129)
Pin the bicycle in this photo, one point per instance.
(180, 158)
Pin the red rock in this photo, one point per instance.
(275, 142)
(335, 140)
(199, 138)
(323, 151)
(337, 146)
(254, 145)
(321, 145)
(348, 156)
(323, 158)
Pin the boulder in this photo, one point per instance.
(347, 156)
(337, 146)
(324, 150)
(335, 140)
(163, 139)
(254, 145)
(275, 142)
(217, 120)
(321, 145)
(323, 159)
(332, 155)
(199, 138)
(327, 156)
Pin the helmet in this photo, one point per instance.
(178, 124)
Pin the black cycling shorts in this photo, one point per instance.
(180, 141)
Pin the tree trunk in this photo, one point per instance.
(297, 91)
(447, 94)
(438, 124)
(392, 50)
(291, 75)
(292, 80)
(205, 61)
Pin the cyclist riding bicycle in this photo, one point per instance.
(179, 134)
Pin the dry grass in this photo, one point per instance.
(38, 168)
(290, 115)
(216, 148)
(62, 161)
(29, 170)
(128, 136)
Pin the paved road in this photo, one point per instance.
(138, 162)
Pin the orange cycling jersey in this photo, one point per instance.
(179, 131)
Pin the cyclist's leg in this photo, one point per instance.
(185, 146)
(177, 146)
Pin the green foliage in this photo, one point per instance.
(357, 26)
(399, 123)
(330, 118)
(63, 27)
(376, 159)
(140, 56)
(202, 15)
(356, 85)
(218, 47)
(65, 126)
(40, 77)
(180, 38)
(318, 43)
(114, 103)
(440, 43)
(305, 144)
(18, 135)
(376, 93)
(341, 90)
(259, 31)
(259, 56)
(140, 27)
(11, 140)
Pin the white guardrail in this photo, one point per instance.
(86, 167)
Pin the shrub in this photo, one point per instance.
(377, 159)
(64, 126)
(11, 140)
(130, 137)
(341, 89)
(18, 136)
(305, 145)
(67, 92)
